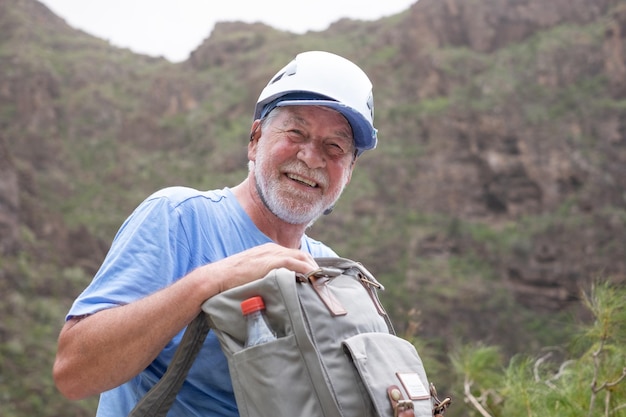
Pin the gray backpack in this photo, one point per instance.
(336, 354)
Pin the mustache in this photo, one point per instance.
(299, 168)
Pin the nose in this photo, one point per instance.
(311, 155)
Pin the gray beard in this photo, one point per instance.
(285, 214)
(272, 200)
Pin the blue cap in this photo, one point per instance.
(362, 131)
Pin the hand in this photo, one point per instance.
(257, 262)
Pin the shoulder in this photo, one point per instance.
(316, 248)
(185, 204)
(177, 196)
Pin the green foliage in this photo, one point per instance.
(590, 380)
(106, 141)
(31, 320)
(478, 363)
(526, 76)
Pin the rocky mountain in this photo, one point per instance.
(497, 193)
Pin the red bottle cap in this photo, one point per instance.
(252, 304)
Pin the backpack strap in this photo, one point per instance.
(157, 401)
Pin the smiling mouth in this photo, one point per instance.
(301, 180)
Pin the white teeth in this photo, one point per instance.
(302, 180)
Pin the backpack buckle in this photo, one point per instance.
(400, 406)
(404, 408)
(440, 406)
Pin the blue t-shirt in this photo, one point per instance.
(170, 234)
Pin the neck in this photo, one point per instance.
(282, 233)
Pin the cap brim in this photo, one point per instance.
(362, 131)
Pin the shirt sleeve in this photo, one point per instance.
(147, 254)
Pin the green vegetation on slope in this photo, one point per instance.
(112, 127)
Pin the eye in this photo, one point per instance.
(296, 134)
(336, 149)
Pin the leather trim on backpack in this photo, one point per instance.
(400, 406)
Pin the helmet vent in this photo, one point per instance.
(290, 69)
(278, 77)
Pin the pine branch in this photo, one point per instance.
(472, 399)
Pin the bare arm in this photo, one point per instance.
(106, 349)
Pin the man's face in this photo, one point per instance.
(303, 159)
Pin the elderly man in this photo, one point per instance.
(182, 246)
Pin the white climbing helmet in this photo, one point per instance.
(323, 79)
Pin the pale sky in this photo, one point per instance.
(174, 28)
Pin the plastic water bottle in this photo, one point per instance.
(259, 331)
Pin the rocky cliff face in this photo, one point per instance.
(496, 159)
(490, 25)
(9, 201)
(501, 121)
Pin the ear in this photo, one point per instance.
(350, 170)
(349, 176)
(255, 135)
